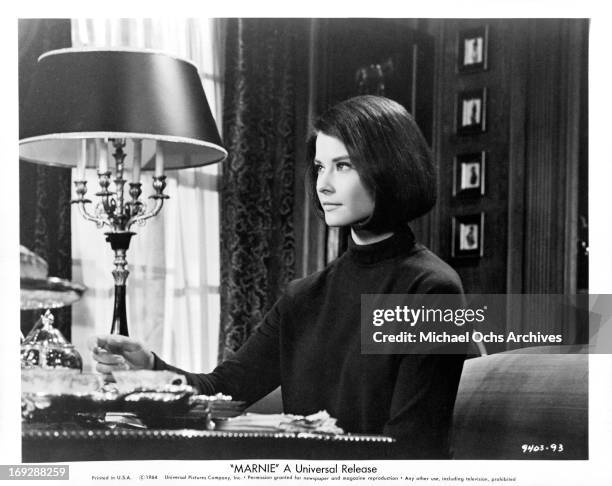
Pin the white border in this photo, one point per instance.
(594, 472)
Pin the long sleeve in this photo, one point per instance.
(422, 403)
(424, 394)
(252, 373)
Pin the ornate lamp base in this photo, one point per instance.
(120, 215)
(120, 242)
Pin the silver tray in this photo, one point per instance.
(149, 404)
(49, 293)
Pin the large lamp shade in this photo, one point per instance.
(81, 94)
(150, 106)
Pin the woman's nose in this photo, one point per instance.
(324, 183)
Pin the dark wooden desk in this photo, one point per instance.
(42, 443)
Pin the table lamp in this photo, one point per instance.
(147, 109)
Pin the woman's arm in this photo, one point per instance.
(423, 400)
(251, 374)
(422, 405)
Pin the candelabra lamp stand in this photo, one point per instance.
(119, 215)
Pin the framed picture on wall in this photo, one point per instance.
(472, 47)
(472, 111)
(468, 236)
(469, 174)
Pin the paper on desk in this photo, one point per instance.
(320, 423)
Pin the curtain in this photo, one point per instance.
(257, 194)
(44, 192)
(173, 286)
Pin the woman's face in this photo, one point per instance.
(343, 197)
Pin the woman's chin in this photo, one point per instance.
(334, 221)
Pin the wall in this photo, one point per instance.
(536, 99)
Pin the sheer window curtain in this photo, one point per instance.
(173, 287)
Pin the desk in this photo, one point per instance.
(67, 443)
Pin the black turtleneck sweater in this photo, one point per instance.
(309, 343)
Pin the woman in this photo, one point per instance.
(371, 170)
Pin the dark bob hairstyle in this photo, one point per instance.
(390, 154)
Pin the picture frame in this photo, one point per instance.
(469, 174)
(472, 111)
(468, 236)
(472, 49)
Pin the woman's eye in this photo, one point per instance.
(318, 168)
(343, 166)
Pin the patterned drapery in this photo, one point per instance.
(257, 195)
(44, 192)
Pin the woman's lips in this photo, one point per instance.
(331, 206)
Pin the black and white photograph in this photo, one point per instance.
(471, 111)
(468, 236)
(469, 174)
(203, 203)
(472, 49)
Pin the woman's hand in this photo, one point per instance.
(114, 353)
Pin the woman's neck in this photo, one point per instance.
(363, 237)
